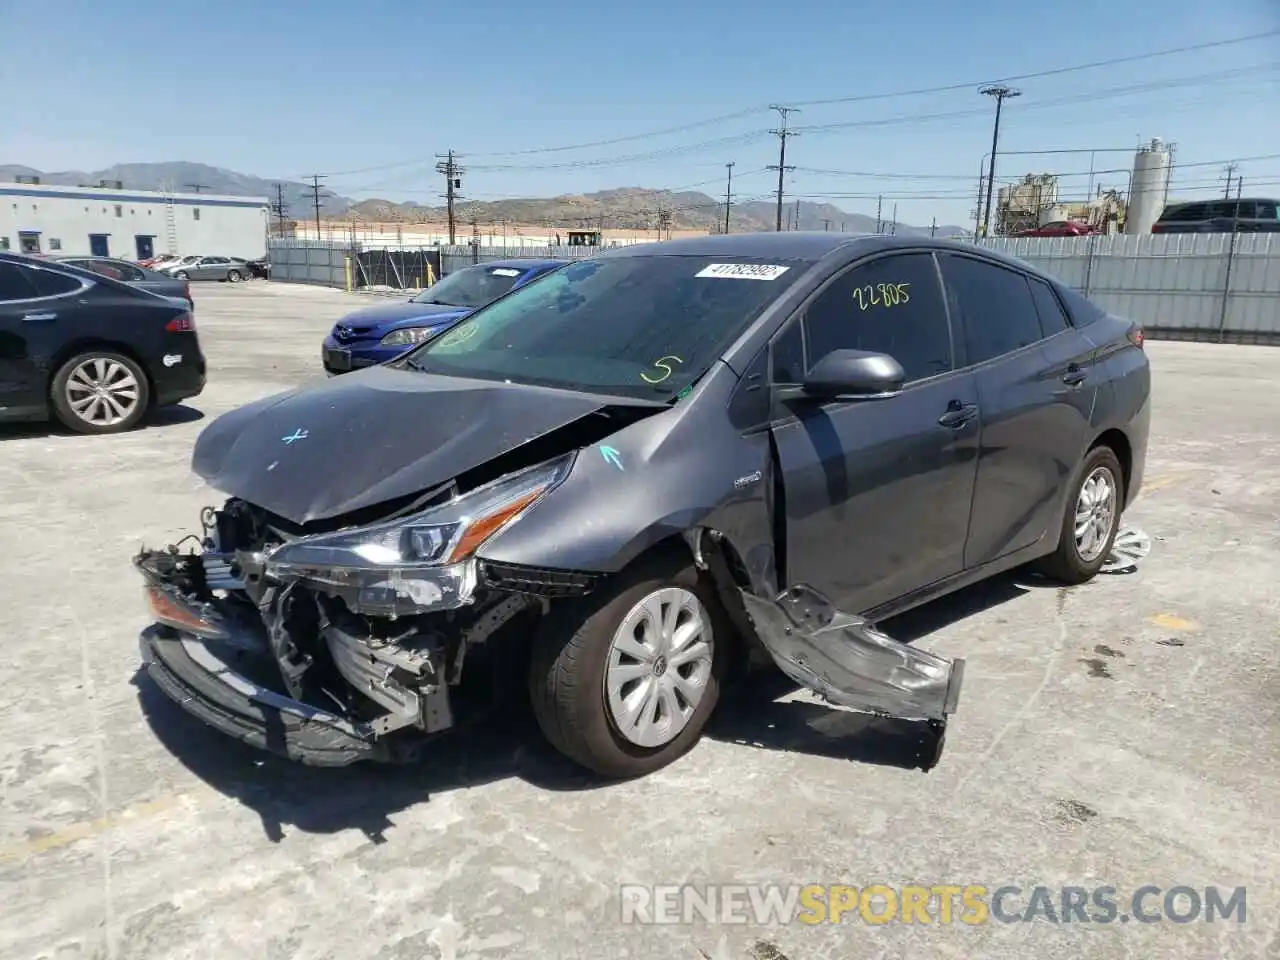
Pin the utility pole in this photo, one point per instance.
(315, 194)
(782, 133)
(879, 206)
(893, 231)
(826, 225)
(448, 165)
(1231, 169)
(1001, 93)
(933, 227)
(196, 187)
(796, 218)
(1231, 259)
(280, 208)
(728, 196)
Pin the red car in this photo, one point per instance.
(1060, 228)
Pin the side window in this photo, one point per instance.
(107, 269)
(51, 284)
(892, 305)
(1052, 318)
(788, 356)
(999, 314)
(1267, 210)
(15, 283)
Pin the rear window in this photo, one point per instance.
(51, 284)
(1081, 310)
(1184, 211)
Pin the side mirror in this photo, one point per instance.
(853, 374)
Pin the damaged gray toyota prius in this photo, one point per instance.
(613, 484)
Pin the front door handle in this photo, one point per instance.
(39, 317)
(958, 414)
(1074, 376)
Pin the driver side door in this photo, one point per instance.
(877, 491)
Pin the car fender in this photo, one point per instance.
(683, 469)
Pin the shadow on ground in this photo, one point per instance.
(160, 417)
(508, 743)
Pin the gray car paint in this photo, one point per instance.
(861, 537)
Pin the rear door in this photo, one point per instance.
(877, 492)
(37, 315)
(1036, 393)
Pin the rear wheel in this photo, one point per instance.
(182, 275)
(100, 392)
(623, 683)
(233, 276)
(1090, 520)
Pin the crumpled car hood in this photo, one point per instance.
(342, 444)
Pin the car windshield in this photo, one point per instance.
(471, 286)
(641, 326)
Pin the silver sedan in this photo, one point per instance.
(209, 268)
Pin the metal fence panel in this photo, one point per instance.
(309, 261)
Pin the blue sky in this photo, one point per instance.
(283, 90)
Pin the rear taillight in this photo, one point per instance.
(1136, 336)
(183, 323)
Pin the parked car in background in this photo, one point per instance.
(133, 274)
(208, 268)
(1248, 215)
(378, 334)
(261, 267)
(1060, 228)
(614, 483)
(90, 351)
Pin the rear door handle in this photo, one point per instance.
(39, 317)
(958, 414)
(1074, 376)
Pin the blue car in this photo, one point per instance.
(378, 334)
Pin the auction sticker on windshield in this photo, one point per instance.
(505, 272)
(742, 271)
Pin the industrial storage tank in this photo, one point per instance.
(1150, 189)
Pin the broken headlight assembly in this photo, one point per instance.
(419, 563)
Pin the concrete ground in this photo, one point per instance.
(1122, 734)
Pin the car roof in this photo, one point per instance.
(788, 245)
(518, 263)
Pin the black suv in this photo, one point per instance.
(1220, 216)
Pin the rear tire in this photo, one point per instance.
(182, 275)
(233, 276)
(1090, 520)
(100, 391)
(579, 660)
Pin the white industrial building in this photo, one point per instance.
(132, 224)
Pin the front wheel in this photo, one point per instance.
(233, 276)
(1090, 520)
(100, 392)
(623, 683)
(182, 275)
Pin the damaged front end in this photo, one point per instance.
(342, 641)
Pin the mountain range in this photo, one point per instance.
(622, 208)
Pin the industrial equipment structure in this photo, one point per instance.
(1149, 191)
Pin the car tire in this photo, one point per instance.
(1071, 563)
(123, 381)
(182, 275)
(233, 276)
(575, 654)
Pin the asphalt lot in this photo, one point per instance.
(1123, 733)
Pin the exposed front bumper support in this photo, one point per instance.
(190, 674)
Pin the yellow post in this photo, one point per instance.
(431, 275)
(346, 268)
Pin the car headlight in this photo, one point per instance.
(407, 336)
(421, 562)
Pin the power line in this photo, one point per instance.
(782, 133)
(862, 98)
